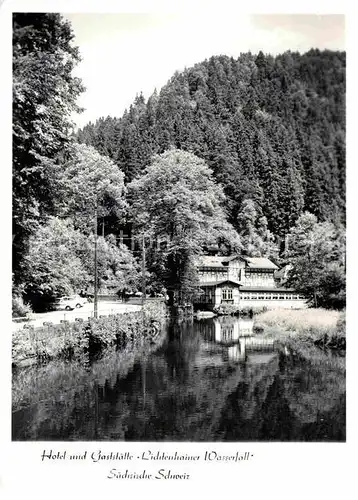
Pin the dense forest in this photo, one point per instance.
(272, 129)
(245, 154)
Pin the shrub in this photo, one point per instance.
(78, 338)
(226, 309)
(231, 309)
(341, 324)
(19, 308)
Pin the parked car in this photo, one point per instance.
(69, 302)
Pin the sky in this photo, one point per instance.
(124, 54)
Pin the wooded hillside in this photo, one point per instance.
(271, 128)
(249, 153)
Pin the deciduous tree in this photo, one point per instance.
(317, 258)
(90, 182)
(178, 198)
(44, 96)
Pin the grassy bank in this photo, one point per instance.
(320, 327)
(73, 340)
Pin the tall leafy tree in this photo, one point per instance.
(178, 199)
(60, 261)
(256, 239)
(316, 256)
(44, 96)
(118, 270)
(54, 262)
(90, 183)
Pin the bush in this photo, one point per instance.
(78, 338)
(155, 310)
(19, 308)
(226, 309)
(231, 309)
(341, 324)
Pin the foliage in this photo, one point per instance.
(226, 309)
(89, 181)
(73, 340)
(234, 310)
(54, 262)
(269, 130)
(117, 267)
(316, 256)
(256, 239)
(44, 96)
(177, 198)
(272, 129)
(60, 261)
(155, 310)
(19, 308)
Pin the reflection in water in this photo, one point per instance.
(226, 329)
(209, 381)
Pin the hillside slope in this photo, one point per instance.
(271, 128)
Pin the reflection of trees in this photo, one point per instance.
(63, 395)
(241, 417)
(185, 390)
(316, 392)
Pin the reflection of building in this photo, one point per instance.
(232, 339)
(256, 356)
(235, 353)
(243, 281)
(229, 329)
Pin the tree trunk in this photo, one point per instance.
(315, 298)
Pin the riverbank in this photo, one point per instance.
(74, 340)
(320, 327)
(85, 312)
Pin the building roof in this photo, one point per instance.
(211, 261)
(259, 263)
(215, 283)
(219, 261)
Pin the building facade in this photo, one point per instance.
(243, 282)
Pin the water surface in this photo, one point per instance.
(210, 380)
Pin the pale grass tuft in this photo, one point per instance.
(300, 319)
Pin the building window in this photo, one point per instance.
(227, 294)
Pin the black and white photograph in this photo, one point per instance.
(179, 227)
